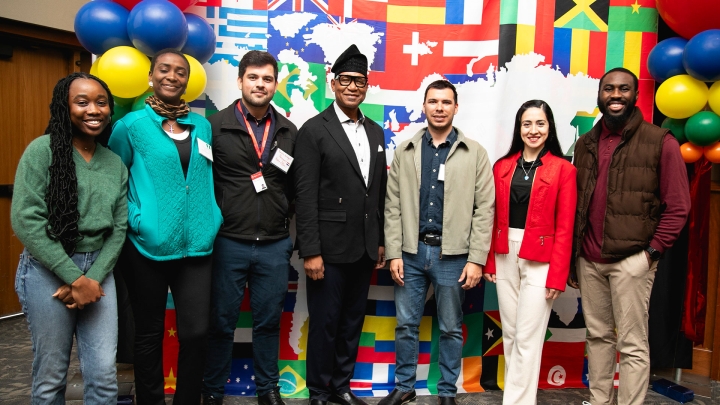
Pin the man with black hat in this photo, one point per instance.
(340, 180)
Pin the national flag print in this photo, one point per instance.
(526, 26)
(407, 41)
(582, 14)
(415, 51)
(632, 17)
(464, 11)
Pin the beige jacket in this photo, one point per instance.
(468, 206)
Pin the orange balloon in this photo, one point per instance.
(691, 153)
(712, 152)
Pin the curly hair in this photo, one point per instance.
(61, 196)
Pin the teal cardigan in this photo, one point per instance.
(169, 216)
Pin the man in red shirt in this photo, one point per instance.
(633, 201)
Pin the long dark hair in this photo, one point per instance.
(61, 196)
(552, 144)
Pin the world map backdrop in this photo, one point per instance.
(499, 54)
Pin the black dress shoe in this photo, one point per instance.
(211, 400)
(317, 402)
(271, 398)
(446, 401)
(397, 397)
(347, 398)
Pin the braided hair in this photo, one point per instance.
(61, 197)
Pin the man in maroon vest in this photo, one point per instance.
(633, 201)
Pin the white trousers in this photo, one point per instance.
(524, 313)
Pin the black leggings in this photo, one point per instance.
(148, 281)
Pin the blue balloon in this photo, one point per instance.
(666, 59)
(201, 38)
(101, 25)
(702, 56)
(154, 25)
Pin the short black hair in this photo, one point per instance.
(166, 51)
(258, 59)
(623, 70)
(441, 85)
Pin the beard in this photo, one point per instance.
(616, 122)
(263, 102)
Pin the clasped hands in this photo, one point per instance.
(80, 293)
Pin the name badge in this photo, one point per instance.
(282, 160)
(205, 149)
(441, 173)
(258, 181)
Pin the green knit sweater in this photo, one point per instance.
(102, 204)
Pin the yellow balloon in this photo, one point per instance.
(197, 80)
(714, 97)
(681, 96)
(125, 70)
(94, 67)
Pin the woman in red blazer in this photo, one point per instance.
(535, 197)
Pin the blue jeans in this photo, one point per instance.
(264, 266)
(52, 326)
(420, 270)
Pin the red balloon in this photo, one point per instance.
(689, 17)
(128, 4)
(184, 4)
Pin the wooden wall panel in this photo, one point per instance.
(26, 83)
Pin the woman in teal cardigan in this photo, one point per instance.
(172, 222)
(69, 211)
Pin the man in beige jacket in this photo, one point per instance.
(439, 210)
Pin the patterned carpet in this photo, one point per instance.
(16, 361)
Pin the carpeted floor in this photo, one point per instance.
(16, 362)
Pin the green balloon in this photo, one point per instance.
(123, 101)
(139, 103)
(120, 111)
(703, 128)
(677, 127)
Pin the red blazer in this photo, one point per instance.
(550, 218)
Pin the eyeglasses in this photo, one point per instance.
(345, 80)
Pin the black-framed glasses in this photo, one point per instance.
(345, 80)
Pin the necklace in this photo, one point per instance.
(85, 148)
(172, 130)
(527, 172)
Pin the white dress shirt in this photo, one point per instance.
(355, 132)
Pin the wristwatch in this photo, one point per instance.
(654, 253)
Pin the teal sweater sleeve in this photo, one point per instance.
(120, 144)
(105, 261)
(29, 214)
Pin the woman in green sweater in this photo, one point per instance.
(69, 210)
(172, 222)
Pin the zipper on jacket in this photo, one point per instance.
(187, 193)
(542, 241)
(606, 197)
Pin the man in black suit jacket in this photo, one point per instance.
(340, 179)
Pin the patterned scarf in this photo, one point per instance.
(166, 110)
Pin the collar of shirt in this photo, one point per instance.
(251, 118)
(451, 138)
(606, 132)
(344, 118)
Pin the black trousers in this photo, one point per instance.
(336, 305)
(148, 281)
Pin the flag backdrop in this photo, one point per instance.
(498, 53)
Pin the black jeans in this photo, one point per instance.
(147, 282)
